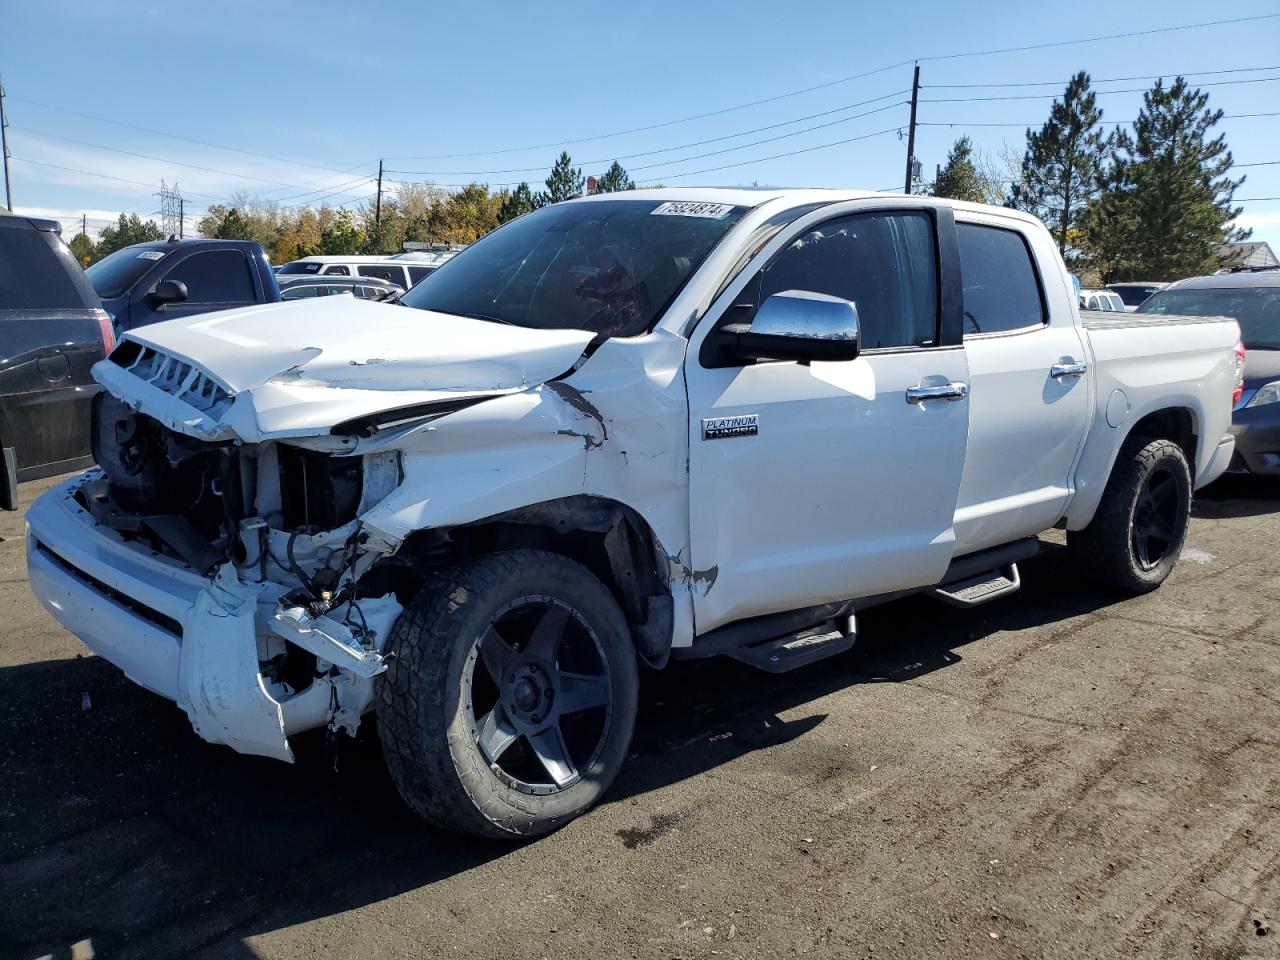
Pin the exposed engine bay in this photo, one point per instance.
(273, 526)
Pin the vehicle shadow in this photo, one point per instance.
(1237, 495)
(117, 824)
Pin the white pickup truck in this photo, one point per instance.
(624, 429)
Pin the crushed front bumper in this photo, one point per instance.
(196, 640)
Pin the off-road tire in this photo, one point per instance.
(425, 725)
(1105, 550)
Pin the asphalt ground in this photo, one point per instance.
(1061, 773)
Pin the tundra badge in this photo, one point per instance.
(717, 428)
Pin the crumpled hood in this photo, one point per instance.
(296, 369)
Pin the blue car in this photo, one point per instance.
(149, 282)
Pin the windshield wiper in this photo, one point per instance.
(480, 316)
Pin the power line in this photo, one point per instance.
(961, 123)
(180, 163)
(842, 80)
(1100, 93)
(1063, 83)
(779, 156)
(683, 146)
(175, 136)
(741, 146)
(106, 176)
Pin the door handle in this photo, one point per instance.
(1067, 368)
(944, 391)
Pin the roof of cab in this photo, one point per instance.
(1259, 278)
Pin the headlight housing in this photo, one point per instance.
(1267, 393)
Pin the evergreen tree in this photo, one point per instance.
(959, 178)
(614, 179)
(1062, 168)
(83, 249)
(565, 182)
(342, 236)
(1166, 206)
(234, 226)
(517, 203)
(127, 230)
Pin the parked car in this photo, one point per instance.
(615, 431)
(1134, 292)
(1103, 300)
(148, 282)
(400, 272)
(366, 288)
(1253, 300)
(52, 331)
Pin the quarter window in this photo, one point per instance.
(883, 262)
(1001, 289)
(337, 272)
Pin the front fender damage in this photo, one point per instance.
(225, 638)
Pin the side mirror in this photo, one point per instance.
(796, 325)
(168, 291)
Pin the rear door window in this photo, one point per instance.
(383, 271)
(35, 271)
(215, 276)
(417, 273)
(1001, 286)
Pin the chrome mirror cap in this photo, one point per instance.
(806, 315)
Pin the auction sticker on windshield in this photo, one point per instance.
(691, 208)
(151, 255)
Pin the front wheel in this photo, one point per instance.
(1141, 523)
(509, 701)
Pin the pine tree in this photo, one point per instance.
(83, 249)
(959, 178)
(1062, 168)
(614, 179)
(517, 203)
(128, 230)
(566, 181)
(1166, 207)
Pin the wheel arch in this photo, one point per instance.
(1178, 422)
(609, 538)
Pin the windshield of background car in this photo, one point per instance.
(1256, 309)
(297, 266)
(1133, 296)
(609, 266)
(117, 272)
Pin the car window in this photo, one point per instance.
(215, 276)
(336, 271)
(35, 273)
(883, 262)
(417, 273)
(1116, 303)
(117, 272)
(1256, 309)
(300, 266)
(298, 293)
(1091, 303)
(383, 271)
(1001, 289)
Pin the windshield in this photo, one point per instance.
(1256, 309)
(610, 267)
(117, 272)
(299, 266)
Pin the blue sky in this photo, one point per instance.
(324, 89)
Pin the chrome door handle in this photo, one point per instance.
(1068, 368)
(943, 391)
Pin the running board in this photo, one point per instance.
(794, 650)
(982, 588)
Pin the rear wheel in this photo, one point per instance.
(510, 698)
(1138, 531)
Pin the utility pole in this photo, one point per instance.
(182, 217)
(84, 224)
(911, 133)
(377, 204)
(4, 149)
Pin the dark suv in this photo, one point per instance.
(52, 330)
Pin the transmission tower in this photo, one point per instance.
(170, 210)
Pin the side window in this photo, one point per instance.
(1001, 289)
(417, 273)
(298, 293)
(383, 271)
(1092, 304)
(337, 272)
(885, 263)
(217, 276)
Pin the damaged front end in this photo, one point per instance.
(288, 633)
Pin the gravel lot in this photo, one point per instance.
(1060, 773)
